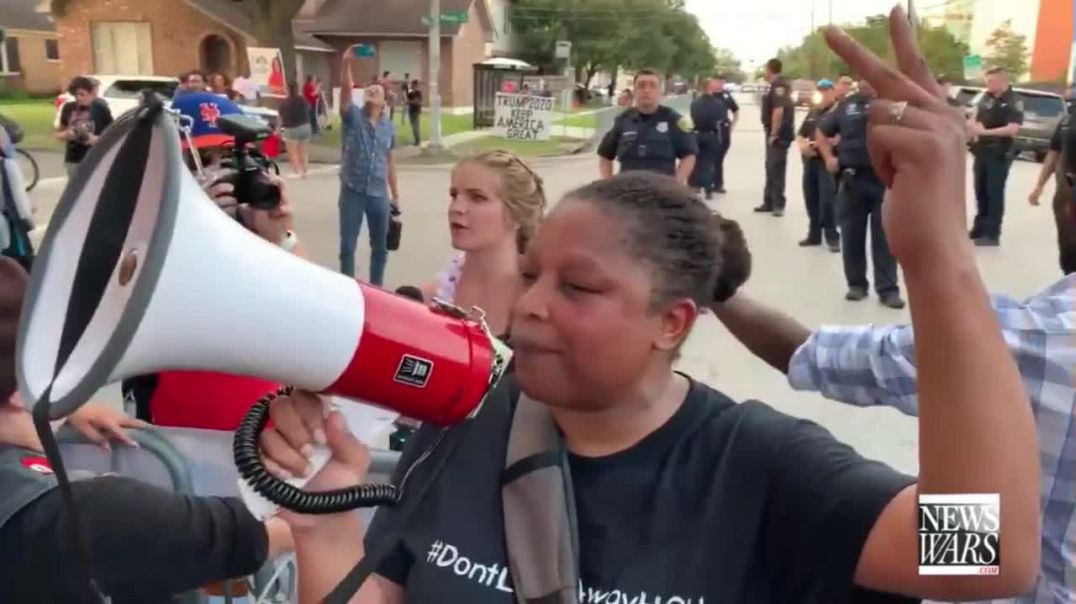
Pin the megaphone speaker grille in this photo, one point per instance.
(99, 263)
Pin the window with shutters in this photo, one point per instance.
(9, 56)
(122, 47)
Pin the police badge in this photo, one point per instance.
(663, 127)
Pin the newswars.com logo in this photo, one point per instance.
(960, 534)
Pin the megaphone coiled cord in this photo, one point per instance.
(251, 468)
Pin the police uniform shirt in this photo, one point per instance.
(730, 102)
(997, 112)
(708, 113)
(812, 121)
(649, 142)
(849, 120)
(1057, 140)
(779, 95)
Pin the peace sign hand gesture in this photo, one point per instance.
(917, 144)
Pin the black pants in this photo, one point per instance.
(819, 193)
(860, 203)
(719, 168)
(776, 167)
(991, 171)
(702, 176)
(414, 117)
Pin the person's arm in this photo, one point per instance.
(976, 427)
(607, 151)
(145, 542)
(394, 189)
(347, 87)
(828, 128)
(686, 147)
(1009, 130)
(1045, 174)
(770, 335)
(327, 553)
(63, 131)
(734, 107)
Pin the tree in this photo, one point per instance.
(613, 34)
(728, 65)
(1007, 49)
(812, 58)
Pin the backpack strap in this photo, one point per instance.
(540, 527)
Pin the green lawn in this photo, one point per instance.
(555, 146)
(35, 119)
(450, 124)
(589, 120)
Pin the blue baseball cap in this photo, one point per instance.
(203, 109)
(825, 84)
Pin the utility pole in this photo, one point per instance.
(813, 43)
(435, 74)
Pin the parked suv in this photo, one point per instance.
(1042, 113)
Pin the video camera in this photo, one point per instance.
(250, 168)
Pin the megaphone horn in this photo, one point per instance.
(141, 272)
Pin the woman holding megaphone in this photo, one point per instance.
(637, 484)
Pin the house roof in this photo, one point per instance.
(372, 18)
(237, 16)
(22, 14)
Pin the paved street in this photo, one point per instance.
(806, 283)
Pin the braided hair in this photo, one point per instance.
(693, 252)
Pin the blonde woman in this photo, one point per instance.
(497, 201)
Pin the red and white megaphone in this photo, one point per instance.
(141, 272)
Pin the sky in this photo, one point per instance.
(755, 29)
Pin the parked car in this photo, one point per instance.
(122, 93)
(1043, 111)
(964, 95)
(803, 92)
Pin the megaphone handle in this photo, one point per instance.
(263, 509)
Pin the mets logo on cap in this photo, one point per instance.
(202, 110)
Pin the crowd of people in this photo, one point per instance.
(657, 486)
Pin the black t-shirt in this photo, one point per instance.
(779, 95)
(89, 120)
(294, 112)
(414, 100)
(724, 503)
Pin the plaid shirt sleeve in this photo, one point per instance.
(862, 366)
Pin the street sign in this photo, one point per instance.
(451, 17)
(973, 68)
(365, 51)
(564, 49)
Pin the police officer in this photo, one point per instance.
(819, 188)
(707, 113)
(777, 121)
(998, 117)
(732, 116)
(860, 198)
(1049, 164)
(649, 136)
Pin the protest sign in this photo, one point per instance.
(523, 117)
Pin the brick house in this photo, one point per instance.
(29, 54)
(158, 37)
(401, 40)
(166, 38)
